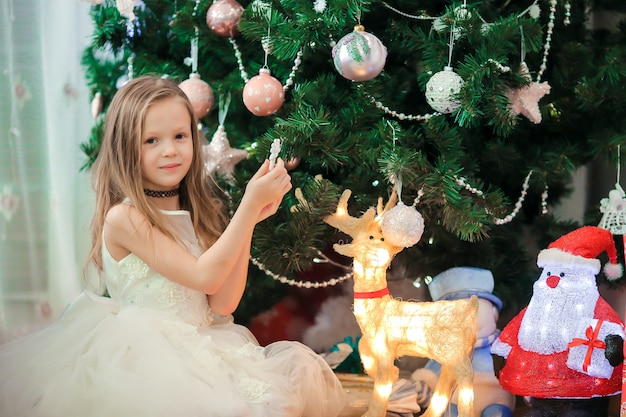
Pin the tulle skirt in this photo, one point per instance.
(98, 361)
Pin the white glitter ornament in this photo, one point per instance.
(614, 211)
(359, 56)
(442, 90)
(402, 226)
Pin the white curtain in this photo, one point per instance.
(45, 200)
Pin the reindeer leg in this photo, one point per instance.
(464, 377)
(441, 394)
(367, 357)
(382, 387)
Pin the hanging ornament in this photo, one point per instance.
(525, 100)
(292, 164)
(443, 88)
(96, 105)
(614, 211)
(223, 18)
(442, 91)
(218, 155)
(359, 56)
(263, 95)
(402, 225)
(200, 94)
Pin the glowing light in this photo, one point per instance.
(357, 267)
(377, 258)
(438, 404)
(380, 346)
(384, 390)
(466, 395)
(368, 361)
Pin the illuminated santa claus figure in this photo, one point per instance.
(564, 351)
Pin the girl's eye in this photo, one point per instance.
(150, 140)
(181, 136)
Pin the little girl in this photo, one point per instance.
(164, 343)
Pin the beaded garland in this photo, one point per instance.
(160, 194)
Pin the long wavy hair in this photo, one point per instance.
(117, 170)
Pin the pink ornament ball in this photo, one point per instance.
(223, 18)
(263, 95)
(200, 95)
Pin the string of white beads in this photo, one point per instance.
(546, 46)
(394, 113)
(410, 16)
(266, 46)
(242, 69)
(518, 205)
(296, 64)
(568, 13)
(300, 284)
(501, 68)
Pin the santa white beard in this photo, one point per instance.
(553, 314)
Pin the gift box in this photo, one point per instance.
(586, 350)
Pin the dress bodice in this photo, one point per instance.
(131, 282)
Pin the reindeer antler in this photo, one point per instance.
(346, 223)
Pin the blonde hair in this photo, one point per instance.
(117, 170)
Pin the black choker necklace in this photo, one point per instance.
(160, 194)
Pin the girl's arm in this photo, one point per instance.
(126, 230)
(227, 298)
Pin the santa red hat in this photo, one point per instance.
(581, 247)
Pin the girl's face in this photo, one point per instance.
(166, 144)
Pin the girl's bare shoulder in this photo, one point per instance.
(124, 216)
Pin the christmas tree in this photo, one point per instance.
(476, 113)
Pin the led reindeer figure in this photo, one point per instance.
(441, 330)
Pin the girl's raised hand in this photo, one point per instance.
(267, 187)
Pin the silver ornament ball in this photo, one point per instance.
(359, 56)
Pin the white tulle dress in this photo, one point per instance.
(154, 349)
